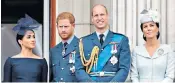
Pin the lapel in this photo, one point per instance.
(108, 39)
(95, 40)
(71, 47)
(143, 52)
(161, 51)
(58, 49)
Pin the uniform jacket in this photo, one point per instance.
(60, 65)
(121, 68)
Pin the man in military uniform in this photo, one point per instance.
(62, 56)
(103, 56)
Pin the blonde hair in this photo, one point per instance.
(66, 15)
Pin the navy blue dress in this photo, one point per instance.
(25, 70)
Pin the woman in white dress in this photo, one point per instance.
(152, 62)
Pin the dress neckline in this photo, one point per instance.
(26, 58)
(154, 51)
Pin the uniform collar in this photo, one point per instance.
(105, 34)
(69, 40)
(108, 39)
(72, 46)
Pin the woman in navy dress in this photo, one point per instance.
(25, 66)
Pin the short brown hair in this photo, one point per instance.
(100, 5)
(66, 15)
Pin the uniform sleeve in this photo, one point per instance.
(8, 71)
(50, 68)
(124, 62)
(170, 71)
(80, 73)
(134, 71)
(44, 71)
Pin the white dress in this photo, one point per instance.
(158, 68)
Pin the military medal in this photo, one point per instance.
(63, 52)
(113, 60)
(72, 69)
(160, 51)
(73, 54)
(72, 57)
(113, 48)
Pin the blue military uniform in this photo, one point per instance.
(113, 64)
(62, 65)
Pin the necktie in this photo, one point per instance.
(64, 48)
(65, 44)
(101, 38)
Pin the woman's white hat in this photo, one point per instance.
(149, 15)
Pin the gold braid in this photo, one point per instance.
(93, 58)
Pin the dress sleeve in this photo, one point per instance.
(134, 71)
(44, 71)
(169, 75)
(50, 67)
(8, 71)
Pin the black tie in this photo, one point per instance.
(65, 45)
(101, 39)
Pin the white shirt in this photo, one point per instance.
(105, 34)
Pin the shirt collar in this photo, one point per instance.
(105, 34)
(69, 40)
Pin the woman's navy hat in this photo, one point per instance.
(150, 15)
(24, 24)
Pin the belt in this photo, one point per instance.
(102, 73)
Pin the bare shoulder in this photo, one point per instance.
(37, 57)
(16, 56)
(34, 56)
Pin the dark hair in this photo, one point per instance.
(157, 24)
(20, 37)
